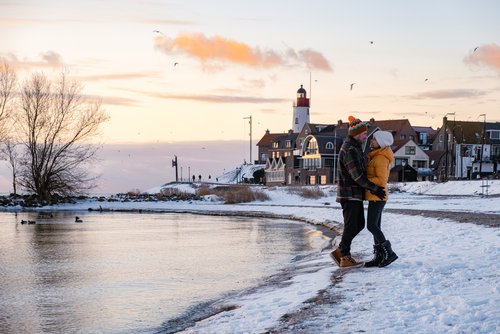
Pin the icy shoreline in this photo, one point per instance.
(445, 281)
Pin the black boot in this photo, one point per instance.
(388, 255)
(377, 258)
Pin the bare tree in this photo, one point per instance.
(8, 80)
(10, 152)
(56, 125)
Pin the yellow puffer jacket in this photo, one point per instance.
(377, 171)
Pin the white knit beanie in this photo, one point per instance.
(383, 138)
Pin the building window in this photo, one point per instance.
(288, 143)
(322, 179)
(402, 137)
(312, 146)
(495, 152)
(296, 120)
(399, 162)
(312, 179)
(424, 138)
(493, 134)
(329, 162)
(329, 145)
(419, 164)
(311, 163)
(275, 144)
(410, 150)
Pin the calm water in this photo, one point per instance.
(129, 273)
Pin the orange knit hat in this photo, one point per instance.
(356, 126)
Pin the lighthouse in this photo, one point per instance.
(300, 110)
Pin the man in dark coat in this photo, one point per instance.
(352, 182)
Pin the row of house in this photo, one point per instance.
(457, 150)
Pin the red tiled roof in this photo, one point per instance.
(269, 138)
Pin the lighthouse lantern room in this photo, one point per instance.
(300, 110)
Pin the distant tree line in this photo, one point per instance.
(47, 133)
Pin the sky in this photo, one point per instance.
(444, 281)
(187, 72)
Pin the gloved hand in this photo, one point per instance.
(379, 192)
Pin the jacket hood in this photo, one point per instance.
(383, 151)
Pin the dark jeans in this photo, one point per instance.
(374, 220)
(354, 222)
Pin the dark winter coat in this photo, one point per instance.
(352, 172)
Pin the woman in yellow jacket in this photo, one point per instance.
(379, 164)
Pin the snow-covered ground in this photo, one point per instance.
(446, 279)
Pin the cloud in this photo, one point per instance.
(220, 49)
(118, 101)
(216, 98)
(451, 94)
(48, 59)
(117, 76)
(486, 55)
(52, 59)
(168, 22)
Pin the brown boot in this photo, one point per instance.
(336, 255)
(348, 262)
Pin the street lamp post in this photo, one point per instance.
(457, 149)
(446, 144)
(403, 163)
(482, 145)
(250, 122)
(335, 156)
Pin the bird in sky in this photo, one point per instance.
(352, 85)
(176, 63)
(426, 79)
(477, 47)
(371, 42)
(158, 32)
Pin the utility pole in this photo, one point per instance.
(174, 164)
(250, 122)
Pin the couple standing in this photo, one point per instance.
(357, 181)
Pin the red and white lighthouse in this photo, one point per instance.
(300, 110)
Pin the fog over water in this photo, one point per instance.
(126, 167)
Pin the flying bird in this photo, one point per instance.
(352, 85)
(158, 32)
(477, 47)
(426, 79)
(371, 42)
(176, 63)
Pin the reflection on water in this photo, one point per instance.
(128, 273)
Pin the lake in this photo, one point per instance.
(130, 273)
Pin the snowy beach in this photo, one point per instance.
(445, 280)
